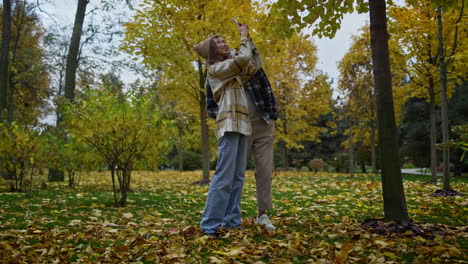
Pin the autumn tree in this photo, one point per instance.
(121, 131)
(416, 31)
(88, 47)
(357, 85)
(70, 69)
(72, 57)
(163, 34)
(27, 77)
(4, 56)
(445, 56)
(302, 92)
(20, 153)
(329, 14)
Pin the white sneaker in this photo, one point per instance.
(265, 221)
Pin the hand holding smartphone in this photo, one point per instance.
(243, 29)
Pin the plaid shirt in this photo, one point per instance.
(226, 80)
(259, 88)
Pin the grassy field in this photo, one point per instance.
(318, 218)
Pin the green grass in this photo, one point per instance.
(316, 214)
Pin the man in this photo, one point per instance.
(262, 112)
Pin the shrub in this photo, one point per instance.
(120, 131)
(191, 160)
(408, 166)
(316, 164)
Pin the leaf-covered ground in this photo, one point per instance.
(318, 218)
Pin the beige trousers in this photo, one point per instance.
(261, 147)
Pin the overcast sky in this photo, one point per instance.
(330, 51)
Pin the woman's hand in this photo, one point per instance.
(243, 29)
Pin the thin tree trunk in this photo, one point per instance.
(129, 177)
(443, 83)
(124, 187)
(180, 151)
(351, 150)
(433, 131)
(373, 150)
(204, 127)
(70, 71)
(392, 184)
(71, 179)
(4, 57)
(72, 58)
(285, 147)
(284, 152)
(11, 93)
(114, 189)
(20, 15)
(59, 93)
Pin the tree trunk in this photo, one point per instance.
(180, 151)
(363, 167)
(124, 187)
(72, 58)
(114, 189)
(70, 71)
(205, 142)
(373, 150)
(20, 15)
(284, 152)
(4, 57)
(59, 93)
(433, 131)
(71, 179)
(443, 91)
(11, 93)
(392, 184)
(351, 150)
(129, 177)
(285, 146)
(204, 126)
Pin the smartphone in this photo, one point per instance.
(235, 21)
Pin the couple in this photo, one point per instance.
(239, 96)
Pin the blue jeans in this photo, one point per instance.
(223, 202)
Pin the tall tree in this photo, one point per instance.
(72, 58)
(28, 78)
(4, 56)
(356, 83)
(443, 61)
(329, 14)
(296, 83)
(70, 70)
(417, 31)
(392, 183)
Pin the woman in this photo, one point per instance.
(226, 73)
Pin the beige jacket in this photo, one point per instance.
(226, 79)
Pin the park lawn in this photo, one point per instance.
(318, 218)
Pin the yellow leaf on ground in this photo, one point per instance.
(344, 252)
(231, 253)
(381, 243)
(127, 215)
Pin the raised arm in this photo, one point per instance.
(229, 68)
